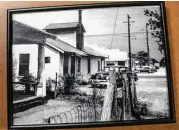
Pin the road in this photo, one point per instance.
(153, 91)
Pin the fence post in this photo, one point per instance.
(133, 89)
(127, 98)
(124, 97)
(108, 97)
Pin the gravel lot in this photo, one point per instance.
(37, 114)
(154, 93)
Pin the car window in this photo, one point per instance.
(146, 67)
(102, 76)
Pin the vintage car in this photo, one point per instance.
(146, 69)
(122, 69)
(100, 79)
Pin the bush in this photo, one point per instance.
(141, 109)
(28, 77)
(82, 80)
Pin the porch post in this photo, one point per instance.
(41, 87)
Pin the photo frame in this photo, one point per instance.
(97, 65)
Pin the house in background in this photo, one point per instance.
(117, 57)
(73, 34)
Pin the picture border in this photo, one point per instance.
(171, 119)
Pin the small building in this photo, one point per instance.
(41, 54)
(117, 57)
(44, 55)
(73, 34)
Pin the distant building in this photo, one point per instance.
(117, 57)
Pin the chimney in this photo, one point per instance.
(80, 38)
(80, 16)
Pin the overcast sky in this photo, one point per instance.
(101, 24)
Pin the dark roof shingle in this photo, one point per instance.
(63, 26)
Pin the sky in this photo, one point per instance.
(105, 26)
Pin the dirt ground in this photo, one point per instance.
(154, 93)
(36, 115)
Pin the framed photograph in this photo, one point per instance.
(91, 65)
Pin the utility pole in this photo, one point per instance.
(129, 40)
(147, 44)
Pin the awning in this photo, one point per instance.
(65, 46)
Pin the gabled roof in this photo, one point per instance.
(24, 32)
(67, 25)
(93, 52)
(65, 46)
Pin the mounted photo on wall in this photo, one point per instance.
(89, 66)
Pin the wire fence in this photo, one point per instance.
(88, 110)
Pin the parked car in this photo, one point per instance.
(122, 69)
(101, 79)
(147, 69)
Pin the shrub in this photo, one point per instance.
(141, 108)
(28, 77)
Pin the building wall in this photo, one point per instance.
(84, 65)
(116, 63)
(31, 49)
(69, 38)
(94, 64)
(55, 65)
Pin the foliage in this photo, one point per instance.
(69, 81)
(153, 60)
(162, 62)
(155, 24)
(28, 77)
(141, 108)
(141, 56)
(49, 83)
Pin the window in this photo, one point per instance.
(78, 64)
(47, 59)
(23, 64)
(98, 65)
(109, 64)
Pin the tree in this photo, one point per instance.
(155, 24)
(153, 61)
(141, 56)
(162, 62)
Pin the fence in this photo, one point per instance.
(110, 107)
(90, 111)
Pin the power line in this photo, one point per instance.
(117, 34)
(114, 29)
(112, 17)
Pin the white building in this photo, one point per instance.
(42, 54)
(117, 57)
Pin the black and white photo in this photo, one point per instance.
(89, 65)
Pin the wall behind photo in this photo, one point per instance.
(172, 9)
